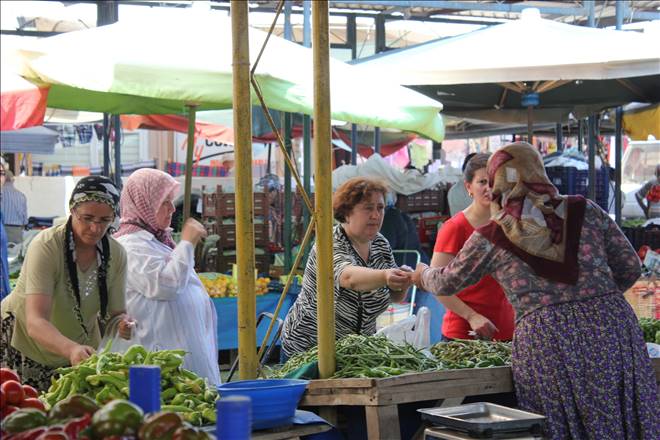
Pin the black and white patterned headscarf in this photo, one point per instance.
(90, 189)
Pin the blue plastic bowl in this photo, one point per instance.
(274, 401)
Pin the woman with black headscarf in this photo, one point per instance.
(73, 276)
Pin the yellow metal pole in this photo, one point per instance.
(323, 185)
(192, 108)
(247, 332)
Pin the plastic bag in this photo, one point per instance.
(111, 336)
(415, 329)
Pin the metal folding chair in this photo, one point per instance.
(275, 337)
(418, 258)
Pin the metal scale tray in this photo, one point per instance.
(484, 419)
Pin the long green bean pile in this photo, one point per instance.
(366, 356)
(462, 353)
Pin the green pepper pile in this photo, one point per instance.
(366, 356)
(651, 329)
(463, 353)
(104, 377)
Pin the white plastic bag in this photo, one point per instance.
(415, 329)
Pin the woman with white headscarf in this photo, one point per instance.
(163, 292)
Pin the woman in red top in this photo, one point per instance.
(482, 307)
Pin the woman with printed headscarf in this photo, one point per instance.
(579, 356)
(73, 276)
(163, 292)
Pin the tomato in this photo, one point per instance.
(7, 374)
(32, 402)
(643, 251)
(8, 410)
(12, 392)
(3, 401)
(50, 435)
(30, 392)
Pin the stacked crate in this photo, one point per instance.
(571, 181)
(219, 218)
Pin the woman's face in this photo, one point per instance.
(91, 221)
(165, 211)
(479, 188)
(366, 218)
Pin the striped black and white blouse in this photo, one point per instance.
(355, 312)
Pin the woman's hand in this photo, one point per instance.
(482, 326)
(193, 231)
(417, 275)
(125, 327)
(397, 279)
(79, 353)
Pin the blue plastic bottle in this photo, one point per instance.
(234, 419)
(144, 387)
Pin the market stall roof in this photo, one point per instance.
(37, 140)
(490, 68)
(158, 67)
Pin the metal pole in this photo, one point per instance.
(323, 186)
(592, 157)
(617, 164)
(591, 12)
(187, 189)
(247, 331)
(117, 124)
(560, 137)
(530, 124)
(307, 124)
(377, 140)
(351, 29)
(579, 136)
(620, 12)
(354, 144)
(288, 242)
(106, 144)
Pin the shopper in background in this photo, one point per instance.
(73, 276)
(367, 279)
(457, 197)
(4, 275)
(14, 207)
(480, 310)
(579, 356)
(163, 292)
(651, 192)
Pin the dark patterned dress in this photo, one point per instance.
(579, 357)
(355, 312)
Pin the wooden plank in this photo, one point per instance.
(383, 422)
(293, 432)
(341, 383)
(434, 376)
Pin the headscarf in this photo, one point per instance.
(90, 189)
(529, 217)
(145, 190)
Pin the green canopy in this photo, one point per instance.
(158, 67)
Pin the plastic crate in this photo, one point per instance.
(427, 200)
(571, 181)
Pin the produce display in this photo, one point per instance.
(651, 329)
(104, 377)
(78, 417)
(14, 395)
(463, 353)
(222, 286)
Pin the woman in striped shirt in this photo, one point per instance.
(366, 276)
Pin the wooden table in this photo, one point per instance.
(380, 397)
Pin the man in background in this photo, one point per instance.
(457, 196)
(14, 207)
(651, 192)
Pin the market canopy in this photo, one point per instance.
(491, 68)
(159, 66)
(37, 140)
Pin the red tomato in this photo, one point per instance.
(7, 374)
(3, 401)
(32, 402)
(642, 252)
(12, 392)
(50, 435)
(8, 410)
(30, 392)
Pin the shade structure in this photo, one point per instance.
(157, 67)
(37, 140)
(491, 68)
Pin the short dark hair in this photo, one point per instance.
(477, 162)
(466, 160)
(352, 192)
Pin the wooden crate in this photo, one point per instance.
(423, 201)
(224, 262)
(227, 233)
(210, 202)
(227, 205)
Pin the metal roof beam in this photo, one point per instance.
(456, 5)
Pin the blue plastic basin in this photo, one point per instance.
(274, 401)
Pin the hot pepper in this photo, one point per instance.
(161, 425)
(23, 420)
(74, 427)
(190, 434)
(135, 354)
(74, 406)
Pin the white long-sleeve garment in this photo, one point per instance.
(167, 299)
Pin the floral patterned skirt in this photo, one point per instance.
(31, 372)
(584, 365)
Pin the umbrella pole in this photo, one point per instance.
(189, 161)
(247, 332)
(530, 123)
(323, 186)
